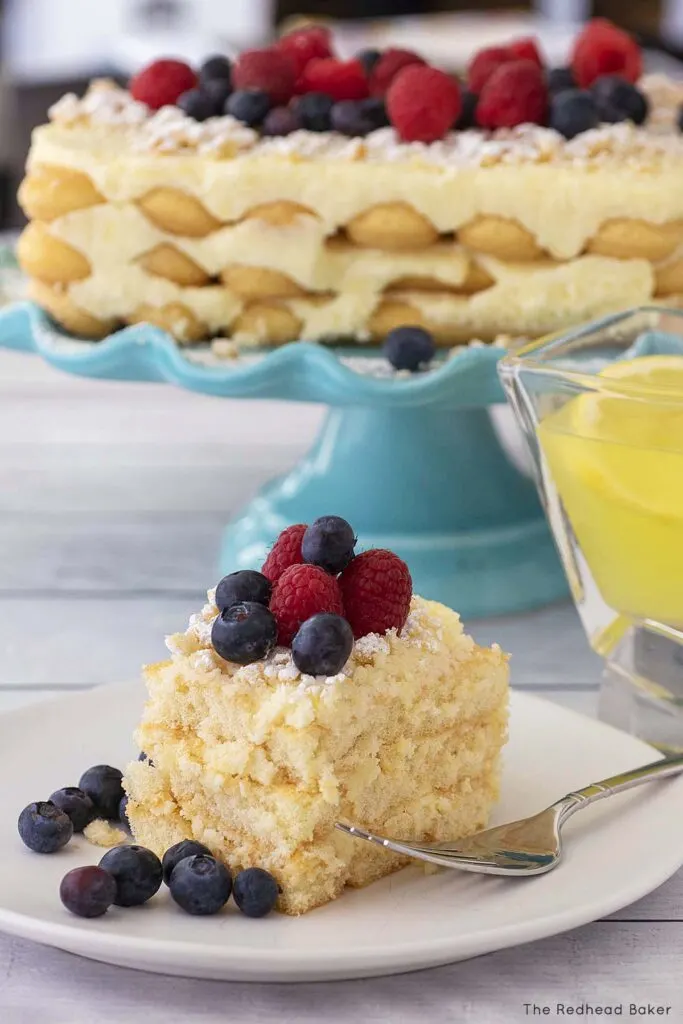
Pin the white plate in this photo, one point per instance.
(617, 851)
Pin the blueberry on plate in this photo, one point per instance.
(123, 813)
(368, 59)
(103, 784)
(573, 112)
(88, 891)
(617, 100)
(217, 68)
(197, 105)
(44, 827)
(245, 585)
(244, 633)
(281, 121)
(322, 645)
(174, 854)
(561, 79)
(77, 804)
(329, 543)
(200, 885)
(255, 892)
(409, 348)
(467, 117)
(136, 871)
(248, 105)
(315, 111)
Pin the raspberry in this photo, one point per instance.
(306, 45)
(483, 64)
(525, 49)
(376, 588)
(515, 94)
(162, 83)
(423, 103)
(388, 66)
(285, 552)
(271, 70)
(603, 49)
(303, 591)
(340, 79)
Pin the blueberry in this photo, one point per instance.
(44, 827)
(248, 105)
(245, 585)
(142, 756)
(201, 884)
(196, 104)
(561, 79)
(255, 892)
(216, 68)
(368, 59)
(103, 785)
(375, 109)
(281, 121)
(136, 871)
(77, 804)
(216, 91)
(679, 118)
(123, 814)
(87, 892)
(329, 543)
(573, 112)
(323, 645)
(349, 118)
(315, 111)
(618, 100)
(468, 113)
(409, 348)
(174, 854)
(244, 633)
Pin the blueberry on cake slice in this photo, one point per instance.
(318, 690)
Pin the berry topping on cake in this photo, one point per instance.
(286, 551)
(315, 111)
(353, 118)
(217, 90)
(244, 633)
(136, 872)
(281, 121)
(604, 49)
(181, 850)
(468, 113)
(255, 892)
(305, 45)
(271, 70)
(525, 48)
(572, 112)
(483, 64)
(103, 784)
(369, 59)
(423, 103)
(409, 348)
(618, 100)
(88, 891)
(515, 94)
(249, 106)
(197, 104)
(322, 645)
(560, 79)
(329, 543)
(339, 79)
(76, 804)
(214, 69)
(301, 592)
(388, 66)
(161, 83)
(201, 885)
(376, 589)
(44, 827)
(244, 585)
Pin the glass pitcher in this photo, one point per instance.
(601, 408)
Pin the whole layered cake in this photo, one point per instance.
(293, 195)
(319, 690)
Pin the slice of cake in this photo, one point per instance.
(398, 729)
(293, 195)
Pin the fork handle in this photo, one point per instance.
(661, 769)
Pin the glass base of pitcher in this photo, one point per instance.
(642, 689)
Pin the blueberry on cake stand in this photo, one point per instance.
(413, 462)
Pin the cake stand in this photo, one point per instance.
(413, 462)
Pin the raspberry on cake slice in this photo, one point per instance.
(257, 751)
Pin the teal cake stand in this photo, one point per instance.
(414, 463)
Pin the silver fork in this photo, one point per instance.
(530, 846)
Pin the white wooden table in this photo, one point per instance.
(112, 501)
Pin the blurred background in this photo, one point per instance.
(51, 46)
